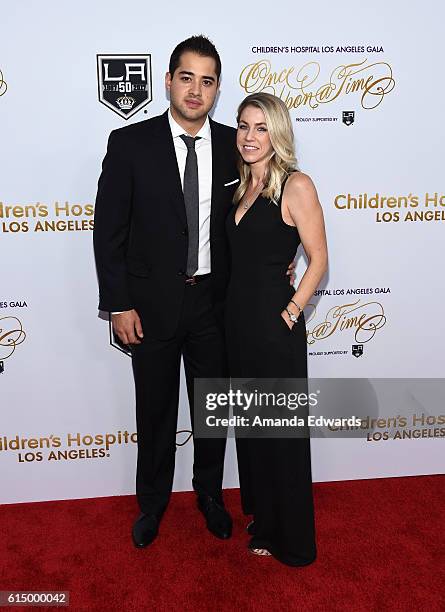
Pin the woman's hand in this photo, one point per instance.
(287, 320)
(291, 310)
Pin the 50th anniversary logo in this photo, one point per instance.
(124, 82)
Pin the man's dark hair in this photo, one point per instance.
(197, 44)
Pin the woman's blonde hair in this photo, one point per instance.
(283, 160)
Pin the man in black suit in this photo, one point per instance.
(162, 263)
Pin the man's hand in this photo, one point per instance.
(127, 326)
(291, 273)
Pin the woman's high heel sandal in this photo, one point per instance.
(261, 552)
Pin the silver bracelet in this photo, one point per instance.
(292, 317)
(300, 310)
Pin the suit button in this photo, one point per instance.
(184, 232)
(180, 272)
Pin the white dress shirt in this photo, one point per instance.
(203, 148)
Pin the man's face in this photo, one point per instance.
(193, 86)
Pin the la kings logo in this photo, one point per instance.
(124, 82)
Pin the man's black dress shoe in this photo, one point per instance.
(219, 521)
(145, 530)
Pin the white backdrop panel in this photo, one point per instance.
(63, 378)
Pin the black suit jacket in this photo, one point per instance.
(140, 225)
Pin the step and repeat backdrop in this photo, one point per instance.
(364, 86)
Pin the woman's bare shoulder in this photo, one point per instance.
(300, 193)
(300, 182)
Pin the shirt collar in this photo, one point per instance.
(177, 130)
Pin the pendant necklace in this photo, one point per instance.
(254, 195)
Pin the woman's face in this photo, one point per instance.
(252, 137)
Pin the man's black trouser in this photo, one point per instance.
(156, 368)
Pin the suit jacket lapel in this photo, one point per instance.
(168, 164)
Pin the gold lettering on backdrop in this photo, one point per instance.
(364, 319)
(11, 335)
(372, 82)
(3, 86)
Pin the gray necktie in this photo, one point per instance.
(191, 199)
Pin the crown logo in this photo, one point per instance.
(126, 102)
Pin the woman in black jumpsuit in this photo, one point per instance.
(262, 339)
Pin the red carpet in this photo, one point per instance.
(380, 547)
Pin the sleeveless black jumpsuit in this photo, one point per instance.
(275, 474)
